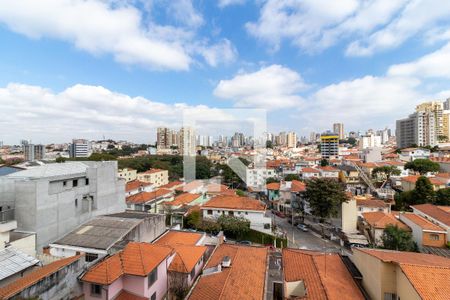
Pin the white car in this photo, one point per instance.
(302, 227)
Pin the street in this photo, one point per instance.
(306, 240)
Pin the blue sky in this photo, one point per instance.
(121, 68)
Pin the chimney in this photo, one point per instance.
(226, 262)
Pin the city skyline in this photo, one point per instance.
(103, 81)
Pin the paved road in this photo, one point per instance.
(306, 240)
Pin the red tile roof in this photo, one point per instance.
(310, 170)
(430, 282)
(35, 276)
(274, 186)
(137, 259)
(172, 185)
(406, 257)
(186, 258)
(125, 295)
(330, 282)
(328, 169)
(174, 237)
(422, 222)
(144, 197)
(234, 202)
(298, 186)
(433, 180)
(381, 220)
(244, 279)
(183, 199)
(190, 186)
(371, 203)
(152, 171)
(135, 184)
(436, 212)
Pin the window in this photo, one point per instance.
(76, 202)
(390, 296)
(96, 290)
(152, 277)
(231, 213)
(91, 257)
(64, 183)
(246, 213)
(86, 181)
(75, 183)
(434, 237)
(153, 297)
(267, 226)
(209, 212)
(193, 273)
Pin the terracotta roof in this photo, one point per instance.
(328, 169)
(35, 276)
(298, 186)
(406, 257)
(310, 170)
(186, 258)
(216, 188)
(244, 279)
(172, 185)
(274, 186)
(234, 202)
(184, 198)
(443, 175)
(174, 237)
(137, 259)
(436, 212)
(135, 184)
(190, 186)
(422, 222)
(152, 171)
(310, 267)
(144, 197)
(371, 203)
(433, 180)
(125, 295)
(381, 220)
(430, 282)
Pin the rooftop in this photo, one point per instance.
(174, 237)
(234, 202)
(422, 222)
(430, 282)
(406, 257)
(52, 170)
(13, 261)
(144, 197)
(135, 184)
(381, 220)
(440, 213)
(184, 198)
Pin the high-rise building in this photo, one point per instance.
(33, 152)
(282, 139)
(338, 128)
(329, 144)
(187, 141)
(434, 108)
(369, 141)
(292, 140)
(163, 138)
(418, 129)
(80, 148)
(312, 137)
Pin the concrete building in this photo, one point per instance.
(53, 199)
(339, 129)
(187, 141)
(418, 129)
(128, 174)
(369, 141)
(80, 148)
(291, 140)
(33, 152)
(424, 232)
(256, 177)
(329, 145)
(156, 176)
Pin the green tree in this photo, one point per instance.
(386, 171)
(422, 166)
(395, 238)
(101, 157)
(193, 219)
(235, 227)
(291, 177)
(269, 144)
(352, 141)
(423, 192)
(270, 180)
(240, 193)
(325, 196)
(209, 226)
(324, 162)
(443, 197)
(60, 159)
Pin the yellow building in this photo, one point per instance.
(329, 145)
(128, 174)
(156, 176)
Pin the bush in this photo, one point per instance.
(263, 238)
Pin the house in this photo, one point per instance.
(376, 222)
(53, 199)
(328, 172)
(156, 176)
(14, 263)
(56, 280)
(256, 177)
(409, 182)
(439, 215)
(107, 234)
(424, 232)
(150, 201)
(134, 187)
(194, 187)
(390, 274)
(172, 185)
(140, 269)
(367, 203)
(23, 241)
(316, 275)
(233, 272)
(308, 173)
(410, 154)
(128, 174)
(349, 175)
(273, 191)
(248, 208)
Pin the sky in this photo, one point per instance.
(121, 68)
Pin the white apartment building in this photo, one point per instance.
(248, 208)
(156, 176)
(187, 141)
(256, 177)
(369, 141)
(53, 199)
(80, 148)
(128, 174)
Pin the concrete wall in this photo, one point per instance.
(257, 218)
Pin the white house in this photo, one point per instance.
(328, 172)
(310, 173)
(134, 187)
(248, 208)
(410, 154)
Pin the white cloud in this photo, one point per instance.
(225, 3)
(104, 27)
(222, 52)
(433, 65)
(369, 26)
(184, 12)
(417, 17)
(36, 113)
(272, 87)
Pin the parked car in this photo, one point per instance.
(302, 227)
(280, 214)
(244, 242)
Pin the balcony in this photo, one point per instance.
(7, 215)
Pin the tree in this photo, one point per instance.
(193, 219)
(269, 144)
(60, 159)
(178, 285)
(270, 180)
(395, 238)
(324, 162)
(387, 171)
(325, 196)
(352, 141)
(234, 226)
(422, 166)
(423, 192)
(291, 177)
(209, 226)
(443, 197)
(240, 193)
